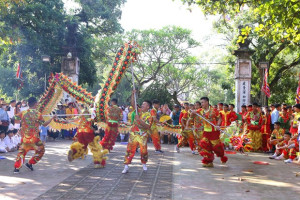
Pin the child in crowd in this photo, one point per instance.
(3, 147)
(298, 141)
(16, 138)
(43, 133)
(9, 141)
(276, 136)
(282, 148)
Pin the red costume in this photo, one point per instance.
(211, 142)
(253, 128)
(265, 130)
(226, 118)
(233, 116)
(31, 119)
(154, 132)
(138, 137)
(187, 134)
(86, 138)
(111, 131)
(198, 128)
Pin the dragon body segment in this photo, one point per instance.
(124, 57)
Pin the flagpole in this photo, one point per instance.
(133, 86)
(63, 115)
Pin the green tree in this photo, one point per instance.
(279, 19)
(283, 58)
(31, 28)
(156, 91)
(162, 50)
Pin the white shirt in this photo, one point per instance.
(2, 144)
(9, 142)
(125, 115)
(24, 108)
(16, 139)
(11, 112)
(274, 116)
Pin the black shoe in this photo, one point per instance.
(16, 171)
(159, 151)
(29, 166)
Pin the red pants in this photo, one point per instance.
(155, 139)
(111, 133)
(133, 141)
(211, 144)
(24, 148)
(187, 136)
(265, 138)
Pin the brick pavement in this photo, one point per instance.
(110, 183)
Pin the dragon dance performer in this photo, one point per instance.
(138, 135)
(294, 121)
(225, 116)
(198, 124)
(31, 119)
(265, 129)
(86, 138)
(211, 142)
(187, 134)
(111, 132)
(154, 132)
(253, 127)
(243, 114)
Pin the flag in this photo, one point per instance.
(18, 75)
(265, 86)
(298, 91)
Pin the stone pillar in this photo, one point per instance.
(70, 67)
(242, 77)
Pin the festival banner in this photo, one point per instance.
(18, 75)
(298, 91)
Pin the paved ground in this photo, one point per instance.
(169, 176)
(110, 183)
(238, 179)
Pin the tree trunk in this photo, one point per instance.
(174, 97)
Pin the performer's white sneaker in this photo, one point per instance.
(288, 161)
(279, 157)
(125, 170)
(273, 156)
(177, 149)
(145, 167)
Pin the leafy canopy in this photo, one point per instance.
(279, 19)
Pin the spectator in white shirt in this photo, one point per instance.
(11, 109)
(24, 106)
(275, 115)
(3, 147)
(17, 138)
(9, 141)
(125, 115)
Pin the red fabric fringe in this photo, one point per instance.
(206, 145)
(224, 159)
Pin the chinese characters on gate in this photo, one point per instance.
(244, 91)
